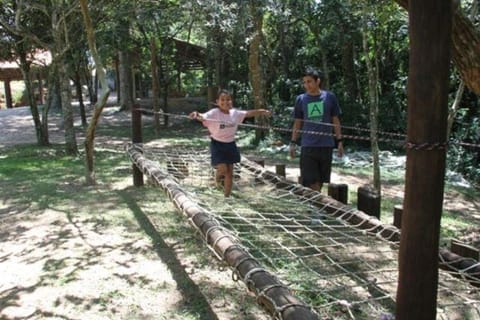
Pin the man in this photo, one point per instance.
(316, 113)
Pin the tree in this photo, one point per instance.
(465, 49)
(370, 54)
(255, 67)
(59, 11)
(20, 41)
(90, 136)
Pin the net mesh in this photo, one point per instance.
(340, 270)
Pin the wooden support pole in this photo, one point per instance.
(430, 30)
(280, 170)
(137, 138)
(368, 201)
(397, 216)
(8, 94)
(338, 192)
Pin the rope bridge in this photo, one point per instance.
(321, 258)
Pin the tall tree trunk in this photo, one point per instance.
(90, 134)
(455, 107)
(255, 68)
(461, 87)
(71, 147)
(372, 69)
(465, 49)
(78, 89)
(155, 85)
(40, 130)
(430, 26)
(348, 67)
(126, 81)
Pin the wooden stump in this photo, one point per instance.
(368, 201)
(280, 170)
(397, 216)
(338, 192)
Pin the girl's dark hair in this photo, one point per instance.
(219, 93)
(223, 91)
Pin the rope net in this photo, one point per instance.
(343, 268)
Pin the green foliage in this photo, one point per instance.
(296, 34)
(463, 151)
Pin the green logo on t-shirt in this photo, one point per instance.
(315, 110)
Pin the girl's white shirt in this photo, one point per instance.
(223, 126)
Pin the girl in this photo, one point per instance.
(222, 124)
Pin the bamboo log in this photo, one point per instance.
(272, 295)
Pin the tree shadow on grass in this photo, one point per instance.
(192, 296)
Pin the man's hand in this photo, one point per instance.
(293, 150)
(340, 151)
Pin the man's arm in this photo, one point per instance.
(297, 125)
(338, 135)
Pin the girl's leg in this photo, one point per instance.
(220, 173)
(228, 182)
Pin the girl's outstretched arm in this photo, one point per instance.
(258, 112)
(195, 115)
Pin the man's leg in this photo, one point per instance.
(317, 186)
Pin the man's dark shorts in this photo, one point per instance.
(315, 165)
(224, 152)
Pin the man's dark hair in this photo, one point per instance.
(314, 73)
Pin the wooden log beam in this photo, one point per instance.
(272, 295)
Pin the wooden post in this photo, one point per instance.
(280, 170)
(397, 216)
(8, 94)
(137, 138)
(368, 201)
(338, 192)
(430, 31)
(464, 250)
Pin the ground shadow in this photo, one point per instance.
(192, 296)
